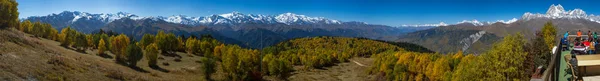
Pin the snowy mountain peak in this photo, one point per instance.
(289, 18)
(508, 22)
(124, 14)
(577, 12)
(442, 24)
(557, 11)
(426, 25)
(232, 15)
(103, 17)
(474, 22)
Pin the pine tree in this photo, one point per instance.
(147, 39)
(134, 54)
(208, 67)
(80, 41)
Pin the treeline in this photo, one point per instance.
(408, 46)
(504, 61)
(513, 58)
(317, 52)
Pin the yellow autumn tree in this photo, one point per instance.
(217, 51)
(152, 54)
(101, 47)
(118, 45)
(9, 13)
(191, 45)
(25, 26)
(549, 33)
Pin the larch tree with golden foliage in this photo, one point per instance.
(118, 47)
(25, 26)
(10, 13)
(152, 54)
(549, 34)
(101, 47)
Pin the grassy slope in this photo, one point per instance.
(25, 57)
(346, 71)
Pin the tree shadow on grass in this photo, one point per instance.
(74, 49)
(80, 51)
(327, 65)
(286, 75)
(155, 67)
(138, 69)
(132, 67)
(171, 54)
(104, 55)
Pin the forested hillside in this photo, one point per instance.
(38, 51)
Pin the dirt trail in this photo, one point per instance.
(358, 63)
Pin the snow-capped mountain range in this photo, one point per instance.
(557, 11)
(474, 22)
(102, 17)
(235, 18)
(227, 18)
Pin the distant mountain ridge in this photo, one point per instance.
(247, 29)
(476, 37)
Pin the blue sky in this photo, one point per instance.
(386, 12)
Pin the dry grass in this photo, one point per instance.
(23, 57)
(347, 71)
